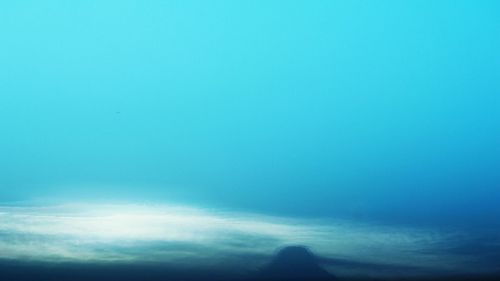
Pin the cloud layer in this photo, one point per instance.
(190, 236)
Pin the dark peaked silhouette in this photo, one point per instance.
(295, 263)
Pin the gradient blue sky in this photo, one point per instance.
(369, 109)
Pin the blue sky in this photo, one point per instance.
(367, 109)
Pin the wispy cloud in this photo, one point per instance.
(180, 234)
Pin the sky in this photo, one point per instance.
(368, 131)
(373, 110)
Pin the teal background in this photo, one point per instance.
(375, 110)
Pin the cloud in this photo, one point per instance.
(190, 236)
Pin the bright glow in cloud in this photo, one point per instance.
(178, 234)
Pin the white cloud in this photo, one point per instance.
(165, 233)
